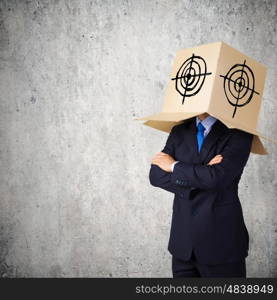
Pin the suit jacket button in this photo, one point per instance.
(177, 181)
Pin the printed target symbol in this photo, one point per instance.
(239, 85)
(191, 76)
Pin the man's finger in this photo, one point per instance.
(216, 161)
(157, 157)
(217, 157)
(155, 161)
(161, 154)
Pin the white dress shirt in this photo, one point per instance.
(208, 124)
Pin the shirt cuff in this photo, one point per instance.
(172, 166)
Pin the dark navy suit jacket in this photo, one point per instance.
(207, 215)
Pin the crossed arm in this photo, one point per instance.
(221, 170)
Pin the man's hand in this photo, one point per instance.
(216, 160)
(163, 160)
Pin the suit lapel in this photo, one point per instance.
(217, 130)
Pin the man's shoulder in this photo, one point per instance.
(241, 134)
(185, 125)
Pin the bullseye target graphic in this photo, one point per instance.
(239, 85)
(191, 76)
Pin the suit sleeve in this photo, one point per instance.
(160, 178)
(235, 155)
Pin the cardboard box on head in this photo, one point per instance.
(215, 79)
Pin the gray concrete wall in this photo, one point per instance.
(74, 189)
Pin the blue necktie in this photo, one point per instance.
(200, 135)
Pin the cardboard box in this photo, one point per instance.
(216, 79)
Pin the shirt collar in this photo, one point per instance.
(207, 122)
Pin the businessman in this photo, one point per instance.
(202, 163)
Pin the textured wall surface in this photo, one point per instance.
(75, 199)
